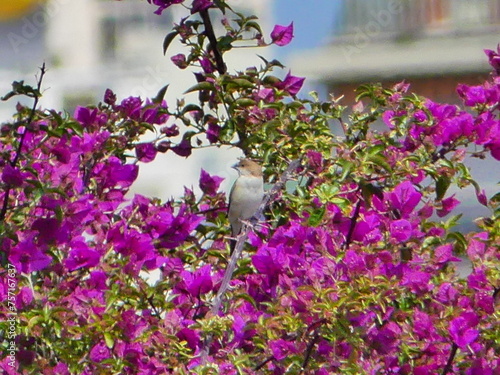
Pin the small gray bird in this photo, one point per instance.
(245, 196)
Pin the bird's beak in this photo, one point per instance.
(235, 166)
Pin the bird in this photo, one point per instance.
(246, 195)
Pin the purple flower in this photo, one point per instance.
(401, 230)
(179, 60)
(291, 84)
(472, 95)
(387, 117)
(174, 230)
(447, 293)
(281, 349)
(192, 337)
(28, 258)
(99, 352)
(386, 338)
(109, 97)
(97, 280)
(269, 260)
(132, 325)
(462, 329)
(62, 153)
(477, 247)
(209, 184)
(12, 176)
(198, 282)
(155, 113)
(354, 262)
(24, 297)
(417, 281)
(315, 160)
(85, 116)
(207, 65)
(422, 324)
(199, 5)
(118, 174)
(145, 152)
(404, 198)
(183, 149)
(163, 4)
(447, 205)
(444, 254)
(494, 58)
(81, 256)
(170, 131)
(282, 35)
(49, 230)
(131, 107)
(213, 132)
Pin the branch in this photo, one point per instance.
(209, 31)
(242, 237)
(354, 220)
(14, 161)
(447, 369)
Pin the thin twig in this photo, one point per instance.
(447, 369)
(14, 161)
(209, 31)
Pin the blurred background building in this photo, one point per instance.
(432, 44)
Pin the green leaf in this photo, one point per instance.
(253, 25)
(316, 216)
(201, 86)
(168, 39)
(347, 167)
(76, 127)
(224, 43)
(380, 161)
(243, 102)
(161, 94)
(442, 185)
(189, 108)
(243, 83)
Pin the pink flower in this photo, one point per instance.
(209, 184)
(291, 84)
(145, 152)
(12, 176)
(447, 205)
(282, 35)
(462, 329)
(99, 352)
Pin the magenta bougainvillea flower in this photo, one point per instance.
(462, 329)
(282, 35)
(163, 4)
(494, 58)
(145, 152)
(291, 84)
(209, 184)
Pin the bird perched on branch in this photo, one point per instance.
(245, 196)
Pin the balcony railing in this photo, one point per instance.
(407, 17)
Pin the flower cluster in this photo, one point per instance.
(353, 271)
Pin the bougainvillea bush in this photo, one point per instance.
(353, 270)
